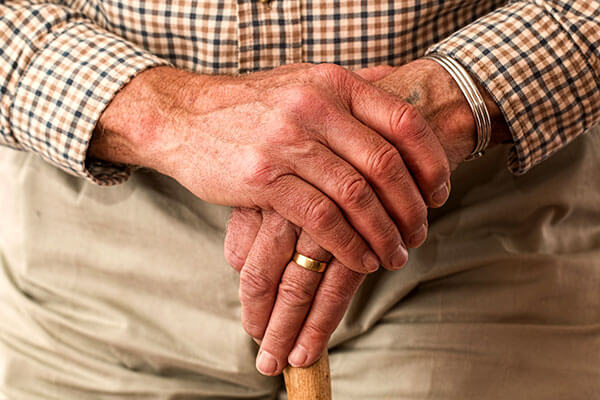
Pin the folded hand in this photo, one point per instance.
(291, 310)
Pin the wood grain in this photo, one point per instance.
(310, 383)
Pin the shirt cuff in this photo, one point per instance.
(65, 88)
(520, 55)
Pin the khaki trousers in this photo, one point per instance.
(124, 293)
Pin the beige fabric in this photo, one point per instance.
(502, 301)
(123, 292)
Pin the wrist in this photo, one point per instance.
(430, 88)
(138, 126)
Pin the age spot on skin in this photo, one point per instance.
(414, 97)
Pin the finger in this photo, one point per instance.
(376, 73)
(353, 194)
(306, 207)
(294, 299)
(242, 229)
(403, 125)
(336, 290)
(260, 276)
(384, 168)
(351, 140)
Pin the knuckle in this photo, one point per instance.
(242, 215)
(355, 190)
(407, 121)
(300, 99)
(309, 150)
(233, 258)
(337, 77)
(385, 162)
(252, 328)
(260, 170)
(396, 173)
(388, 234)
(294, 294)
(276, 227)
(278, 340)
(398, 118)
(317, 332)
(437, 173)
(320, 212)
(415, 216)
(330, 70)
(336, 296)
(254, 285)
(283, 127)
(348, 244)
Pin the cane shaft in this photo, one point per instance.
(311, 383)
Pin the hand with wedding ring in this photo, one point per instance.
(351, 164)
(286, 301)
(289, 308)
(293, 310)
(316, 143)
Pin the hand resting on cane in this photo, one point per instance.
(295, 311)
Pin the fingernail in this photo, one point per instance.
(399, 257)
(440, 195)
(266, 363)
(418, 237)
(370, 261)
(298, 356)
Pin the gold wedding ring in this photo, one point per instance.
(309, 263)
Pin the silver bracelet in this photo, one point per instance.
(474, 98)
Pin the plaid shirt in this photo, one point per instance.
(61, 62)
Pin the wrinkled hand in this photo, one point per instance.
(289, 307)
(284, 304)
(292, 310)
(317, 144)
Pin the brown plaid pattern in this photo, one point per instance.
(61, 62)
(540, 60)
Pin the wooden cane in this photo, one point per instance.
(310, 383)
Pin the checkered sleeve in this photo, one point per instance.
(540, 61)
(58, 71)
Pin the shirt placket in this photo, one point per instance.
(269, 34)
